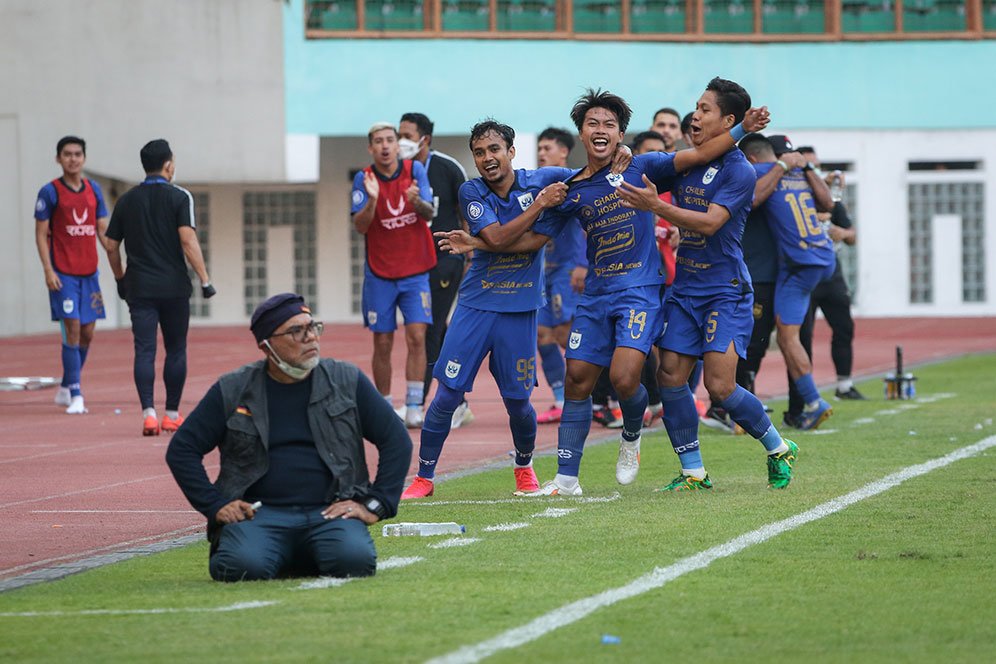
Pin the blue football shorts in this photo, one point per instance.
(383, 297)
(561, 299)
(694, 325)
(79, 298)
(628, 318)
(793, 288)
(510, 338)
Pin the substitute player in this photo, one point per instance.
(790, 195)
(709, 307)
(391, 203)
(70, 218)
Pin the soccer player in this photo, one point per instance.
(566, 268)
(391, 203)
(70, 218)
(445, 177)
(618, 317)
(790, 197)
(708, 310)
(496, 310)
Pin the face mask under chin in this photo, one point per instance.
(295, 372)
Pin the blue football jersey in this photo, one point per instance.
(706, 265)
(504, 281)
(567, 248)
(621, 242)
(790, 212)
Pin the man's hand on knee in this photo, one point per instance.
(350, 509)
(235, 511)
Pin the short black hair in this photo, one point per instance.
(731, 98)
(561, 136)
(806, 148)
(686, 122)
(601, 99)
(69, 140)
(755, 144)
(488, 125)
(420, 120)
(155, 154)
(643, 137)
(669, 111)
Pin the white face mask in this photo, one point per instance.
(408, 148)
(297, 373)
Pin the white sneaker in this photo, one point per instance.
(462, 416)
(63, 397)
(414, 417)
(551, 488)
(76, 406)
(628, 463)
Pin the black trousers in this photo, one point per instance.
(172, 316)
(444, 283)
(760, 336)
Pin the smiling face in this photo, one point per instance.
(668, 126)
(383, 148)
(708, 120)
(71, 158)
(600, 134)
(493, 158)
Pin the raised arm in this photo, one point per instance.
(754, 120)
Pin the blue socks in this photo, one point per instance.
(807, 389)
(436, 428)
(554, 369)
(747, 411)
(522, 423)
(632, 412)
(575, 423)
(682, 423)
(71, 365)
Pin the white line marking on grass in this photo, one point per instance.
(908, 406)
(861, 421)
(241, 606)
(823, 432)
(660, 576)
(889, 411)
(555, 512)
(393, 562)
(455, 541)
(501, 527)
(936, 397)
(502, 501)
(601, 499)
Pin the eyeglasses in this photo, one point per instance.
(300, 332)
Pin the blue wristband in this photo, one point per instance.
(738, 132)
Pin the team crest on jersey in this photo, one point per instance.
(40, 205)
(474, 211)
(452, 369)
(357, 197)
(587, 212)
(575, 341)
(525, 200)
(710, 175)
(615, 179)
(67, 306)
(372, 317)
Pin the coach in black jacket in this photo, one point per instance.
(293, 496)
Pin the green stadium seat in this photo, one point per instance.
(728, 16)
(337, 15)
(792, 17)
(597, 16)
(989, 15)
(657, 16)
(933, 15)
(527, 15)
(868, 16)
(405, 15)
(465, 15)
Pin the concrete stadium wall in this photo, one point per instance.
(206, 74)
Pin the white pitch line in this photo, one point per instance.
(506, 501)
(823, 432)
(554, 512)
(889, 411)
(504, 527)
(241, 606)
(453, 542)
(861, 421)
(334, 582)
(660, 576)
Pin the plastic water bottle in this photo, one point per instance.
(422, 529)
(836, 187)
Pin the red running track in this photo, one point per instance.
(74, 487)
